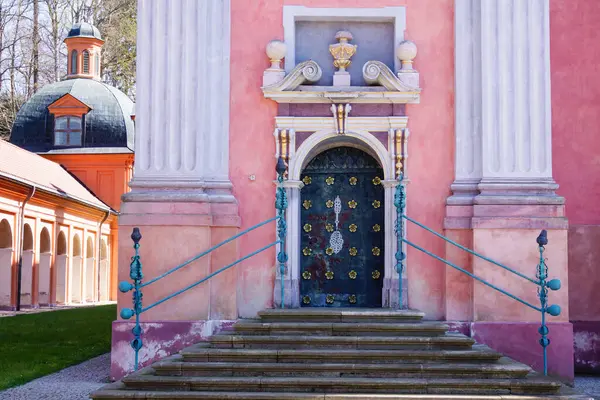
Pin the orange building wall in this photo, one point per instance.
(54, 214)
(106, 175)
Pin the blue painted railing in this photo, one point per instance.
(136, 275)
(541, 271)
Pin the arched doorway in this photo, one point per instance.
(89, 270)
(6, 262)
(44, 267)
(76, 270)
(104, 271)
(27, 266)
(342, 230)
(61, 268)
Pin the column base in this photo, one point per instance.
(518, 192)
(291, 295)
(390, 293)
(160, 338)
(165, 189)
(463, 193)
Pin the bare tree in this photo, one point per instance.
(36, 45)
(33, 53)
(55, 10)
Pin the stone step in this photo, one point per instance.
(118, 390)
(256, 327)
(347, 315)
(504, 368)
(451, 341)
(531, 385)
(203, 353)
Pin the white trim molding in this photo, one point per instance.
(306, 94)
(293, 14)
(314, 124)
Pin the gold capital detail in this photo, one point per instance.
(285, 141)
(399, 152)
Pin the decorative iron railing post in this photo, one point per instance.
(400, 204)
(135, 273)
(554, 284)
(281, 206)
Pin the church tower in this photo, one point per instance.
(84, 49)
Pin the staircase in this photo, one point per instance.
(342, 354)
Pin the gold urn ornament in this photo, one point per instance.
(343, 51)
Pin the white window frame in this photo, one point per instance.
(68, 131)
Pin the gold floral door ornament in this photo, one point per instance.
(342, 252)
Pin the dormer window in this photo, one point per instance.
(86, 62)
(67, 131)
(74, 62)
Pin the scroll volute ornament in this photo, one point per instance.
(342, 51)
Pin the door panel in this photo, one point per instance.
(342, 264)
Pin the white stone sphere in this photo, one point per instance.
(406, 51)
(276, 50)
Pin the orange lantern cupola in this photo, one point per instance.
(84, 48)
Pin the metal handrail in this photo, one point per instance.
(136, 275)
(210, 276)
(469, 250)
(541, 270)
(472, 275)
(191, 260)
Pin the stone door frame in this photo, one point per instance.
(360, 135)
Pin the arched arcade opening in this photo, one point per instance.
(76, 270)
(27, 260)
(61, 262)
(6, 262)
(44, 267)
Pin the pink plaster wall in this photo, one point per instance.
(459, 286)
(575, 61)
(430, 24)
(517, 249)
(520, 341)
(161, 338)
(584, 275)
(157, 258)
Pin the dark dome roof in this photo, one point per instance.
(108, 124)
(83, 29)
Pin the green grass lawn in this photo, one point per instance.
(35, 345)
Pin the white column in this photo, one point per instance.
(503, 125)
(467, 103)
(182, 121)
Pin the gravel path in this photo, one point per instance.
(589, 385)
(73, 383)
(78, 381)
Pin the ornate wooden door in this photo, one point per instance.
(342, 231)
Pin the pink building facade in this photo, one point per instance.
(484, 106)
